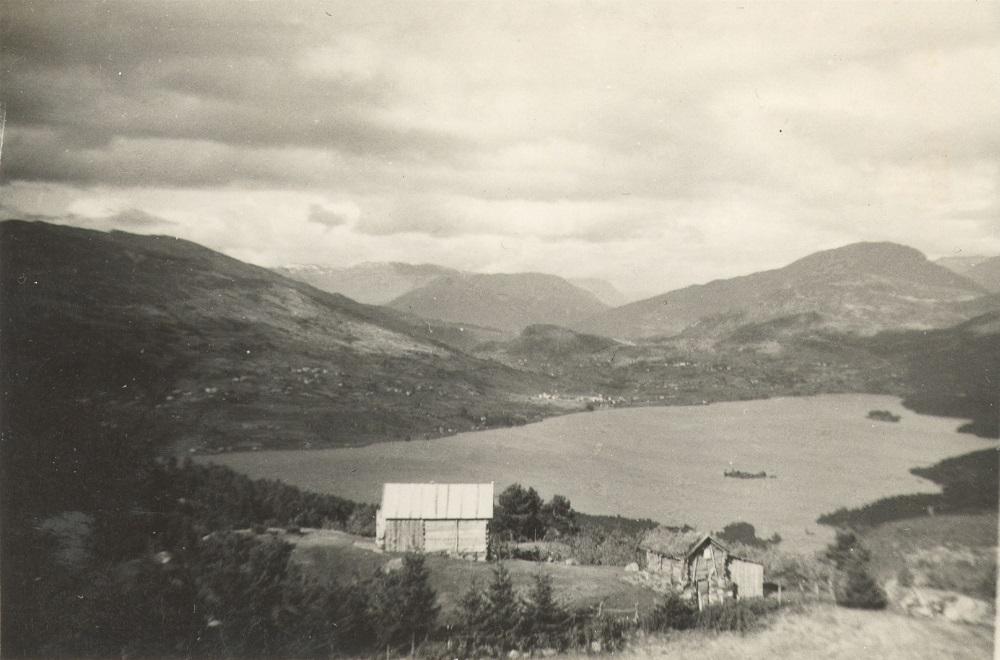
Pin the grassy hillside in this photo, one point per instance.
(180, 345)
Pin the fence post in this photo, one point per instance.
(779, 594)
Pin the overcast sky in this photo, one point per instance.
(652, 145)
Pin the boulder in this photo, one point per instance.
(963, 609)
(393, 565)
(632, 568)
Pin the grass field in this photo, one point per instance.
(337, 556)
(826, 631)
(665, 463)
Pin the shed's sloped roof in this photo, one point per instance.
(437, 501)
(670, 542)
(707, 538)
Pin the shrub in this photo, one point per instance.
(855, 587)
(672, 613)
(733, 615)
(858, 589)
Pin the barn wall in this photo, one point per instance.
(749, 578)
(404, 535)
(440, 536)
(451, 536)
(472, 537)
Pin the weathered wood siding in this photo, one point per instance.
(404, 535)
(440, 535)
(457, 537)
(748, 578)
(472, 537)
(667, 566)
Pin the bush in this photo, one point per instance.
(857, 588)
(672, 613)
(733, 616)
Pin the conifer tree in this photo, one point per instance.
(501, 612)
(542, 618)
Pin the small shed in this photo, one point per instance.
(701, 565)
(715, 573)
(666, 551)
(431, 517)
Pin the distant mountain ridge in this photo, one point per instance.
(509, 302)
(372, 283)
(381, 283)
(862, 287)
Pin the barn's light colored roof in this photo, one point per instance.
(437, 501)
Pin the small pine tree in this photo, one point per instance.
(472, 616)
(501, 612)
(542, 619)
(404, 604)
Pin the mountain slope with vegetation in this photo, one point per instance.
(509, 302)
(862, 288)
(182, 346)
(986, 274)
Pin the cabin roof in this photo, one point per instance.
(669, 542)
(433, 501)
(707, 538)
(714, 541)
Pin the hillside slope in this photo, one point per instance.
(604, 290)
(986, 274)
(373, 283)
(863, 288)
(509, 302)
(178, 345)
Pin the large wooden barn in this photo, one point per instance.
(702, 566)
(446, 518)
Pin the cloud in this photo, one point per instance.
(327, 217)
(655, 141)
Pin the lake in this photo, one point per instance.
(664, 463)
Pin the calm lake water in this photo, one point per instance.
(664, 463)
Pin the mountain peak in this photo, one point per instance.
(861, 287)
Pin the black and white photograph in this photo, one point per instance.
(499, 329)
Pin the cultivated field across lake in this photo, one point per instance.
(665, 463)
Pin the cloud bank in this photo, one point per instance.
(654, 145)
